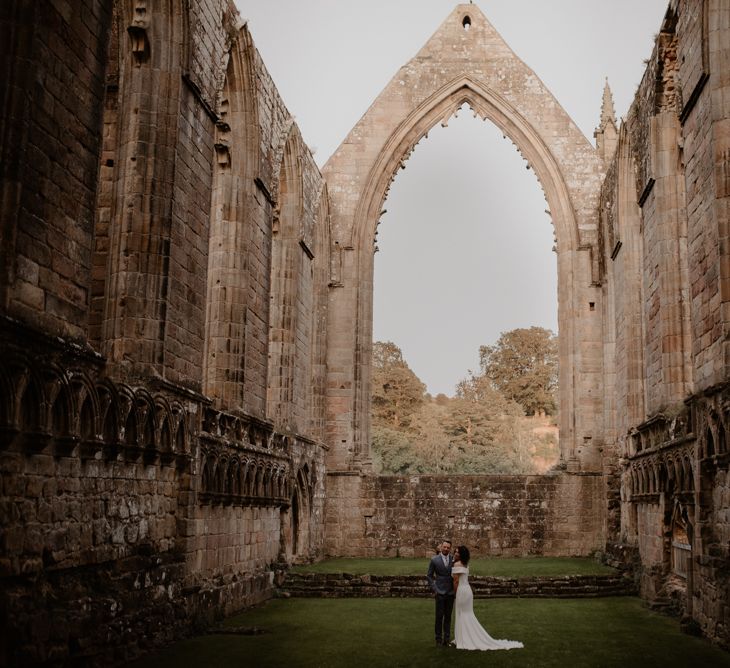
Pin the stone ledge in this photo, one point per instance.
(345, 585)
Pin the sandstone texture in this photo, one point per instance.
(186, 323)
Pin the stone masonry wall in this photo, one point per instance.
(176, 342)
(557, 515)
(345, 585)
(50, 158)
(142, 492)
(668, 418)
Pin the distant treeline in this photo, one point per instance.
(483, 428)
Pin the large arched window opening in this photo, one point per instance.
(450, 70)
(464, 254)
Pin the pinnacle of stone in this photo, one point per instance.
(608, 113)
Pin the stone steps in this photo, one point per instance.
(345, 585)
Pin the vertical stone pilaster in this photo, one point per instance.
(341, 359)
(668, 320)
(136, 313)
(718, 55)
(292, 295)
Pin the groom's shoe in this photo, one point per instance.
(438, 642)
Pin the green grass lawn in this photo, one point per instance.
(369, 633)
(497, 566)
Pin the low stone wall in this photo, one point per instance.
(560, 514)
(109, 614)
(345, 585)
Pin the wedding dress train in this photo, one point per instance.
(468, 632)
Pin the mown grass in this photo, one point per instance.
(368, 633)
(496, 567)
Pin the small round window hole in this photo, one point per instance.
(466, 22)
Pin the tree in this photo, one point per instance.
(430, 442)
(479, 415)
(441, 399)
(397, 392)
(523, 366)
(392, 451)
(478, 431)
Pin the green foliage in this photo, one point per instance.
(396, 391)
(545, 446)
(392, 449)
(523, 366)
(480, 430)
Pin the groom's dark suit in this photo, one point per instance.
(442, 584)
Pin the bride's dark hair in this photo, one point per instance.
(464, 554)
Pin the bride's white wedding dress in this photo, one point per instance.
(468, 632)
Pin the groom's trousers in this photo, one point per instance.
(444, 607)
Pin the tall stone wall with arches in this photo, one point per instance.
(186, 323)
(163, 305)
(663, 269)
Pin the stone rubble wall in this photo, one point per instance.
(345, 585)
(510, 516)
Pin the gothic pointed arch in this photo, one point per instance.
(439, 107)
(229, 313)
(138, 221)
(297, 284)
(477, 68)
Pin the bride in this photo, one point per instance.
(468, 632)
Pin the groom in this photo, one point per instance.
(443, 586)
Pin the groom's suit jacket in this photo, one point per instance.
(439, 576)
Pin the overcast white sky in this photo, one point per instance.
(465, 248)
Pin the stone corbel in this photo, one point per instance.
(222, 145)
(223, 154)
(336, 266)
(138, 33)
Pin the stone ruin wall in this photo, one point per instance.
(509, 516)
(163, 381)
(150, 480)
(664, 272)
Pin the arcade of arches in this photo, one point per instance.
(186, 322)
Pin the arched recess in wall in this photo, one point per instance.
(232, 235)
(488, 105)
(303, 518)
(292, 294)
(621, 263)
(295, 512)
(150, 37)
(630, 267)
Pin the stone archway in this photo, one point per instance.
(465, 62)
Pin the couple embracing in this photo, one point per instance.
(449, 580)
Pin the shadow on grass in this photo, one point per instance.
(309, 633)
